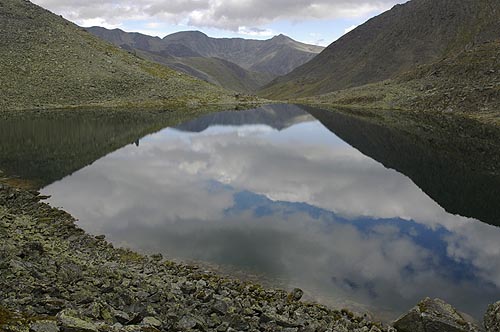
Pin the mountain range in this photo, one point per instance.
(436, 55)
(416, 33)
(234, 63)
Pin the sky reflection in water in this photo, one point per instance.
(296, 204)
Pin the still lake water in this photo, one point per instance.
(274, 193)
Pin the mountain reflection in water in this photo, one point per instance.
(274, 192)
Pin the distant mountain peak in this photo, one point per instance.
(281, 37)
(189, 34)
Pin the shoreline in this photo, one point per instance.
(55, 274)
(57, 278)
(52, 271)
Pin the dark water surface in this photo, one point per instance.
(273, 192)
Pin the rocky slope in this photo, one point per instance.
(434, 315)
(47, 61)
(467, 84)
(257, 61)
(418, 32)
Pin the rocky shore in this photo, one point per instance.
(55, 277)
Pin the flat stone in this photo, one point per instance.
(44, 326)
(70, 323)
(187, 323)
(151, 321)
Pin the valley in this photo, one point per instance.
(234, 175)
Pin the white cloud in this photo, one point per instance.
(98, 22)
(153, 25)
(161, 197)
(223, 14)
(256, 32)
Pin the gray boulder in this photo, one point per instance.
(44, 326)
(70, 323)
(492, 318)
(295, 295)
(433, 316)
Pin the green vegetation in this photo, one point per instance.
(228, 75)
(213, 70)
(5, 316)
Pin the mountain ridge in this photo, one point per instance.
(415, 33)
(265, 58)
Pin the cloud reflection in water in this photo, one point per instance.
(297, 204)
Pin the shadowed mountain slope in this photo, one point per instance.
(418, 32)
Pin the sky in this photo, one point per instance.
(318, 22)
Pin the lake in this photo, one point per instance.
(291, 196)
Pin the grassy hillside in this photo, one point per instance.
(418, 32)
(467, 83)
(47, 61)
(229, 75)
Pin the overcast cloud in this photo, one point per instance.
(231, 15)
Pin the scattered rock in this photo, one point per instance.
(157, 257)
(433, 315)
